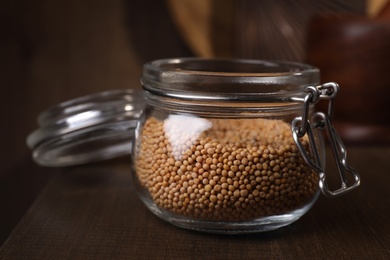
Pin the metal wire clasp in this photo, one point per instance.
(301, 126)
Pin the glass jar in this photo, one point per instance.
(226, 146)
(218, 145)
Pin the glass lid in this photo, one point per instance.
(86, 129)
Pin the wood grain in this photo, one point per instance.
(91, 212)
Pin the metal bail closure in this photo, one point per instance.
(301, 126)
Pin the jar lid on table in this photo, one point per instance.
(87, 129)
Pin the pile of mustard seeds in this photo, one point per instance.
(223, 169)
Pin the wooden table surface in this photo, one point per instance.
(91, 212)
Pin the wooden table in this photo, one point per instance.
(91, 212)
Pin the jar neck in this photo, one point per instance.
(222, 108)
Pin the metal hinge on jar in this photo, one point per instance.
(301, 126)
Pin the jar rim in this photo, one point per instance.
(227, 78)
(191, 65)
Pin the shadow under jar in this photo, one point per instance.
(215, 149)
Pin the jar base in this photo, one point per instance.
(262, 224)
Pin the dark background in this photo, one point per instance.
(51, 51)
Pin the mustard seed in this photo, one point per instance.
(238, 169)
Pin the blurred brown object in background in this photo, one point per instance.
(354, 51)
(206, 26)
(384, 12)
(266, 29)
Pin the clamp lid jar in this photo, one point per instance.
(230, 146)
